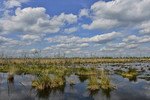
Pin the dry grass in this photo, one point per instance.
(70, 61)
(130, 73)
(12, 71)
(93, 83)
(105, 82)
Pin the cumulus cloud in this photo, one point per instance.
(104, 24)
(32, 24)
(101, 39)
(136, 39)
(69, 46)
(145, 28)
(70, 30)
(104, 38)
(84, 12)
(14, 3)
(3, 40)
(131, 42)
(7, 41)
(129, 46)
(118, 13)
(35, 38)
(34, 20)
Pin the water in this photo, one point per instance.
(136, 89)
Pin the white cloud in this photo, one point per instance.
(104, 24)
(129, 46)
(145, 28)
(34, 50)
(107, 49)
(14, 3)
(122, 45)
(84, 12)
(35, 38)
(131, 42)
(34, 20)
(103, 38)
(132, 46)
(118, 13)
(117, 45)
(70, 30)
(67, 46)
(136, 39)
(7, 41)
(3, 40)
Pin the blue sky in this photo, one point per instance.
(75, 27)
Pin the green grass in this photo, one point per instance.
(105, 82)
(130, 73)
(45, 81)
(87, 71)
(93, 83)
(12, 71)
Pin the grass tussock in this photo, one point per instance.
(93, 83)
(87, 71)
(12, 71)
(130, 73)
(105, 82)
(45, 81)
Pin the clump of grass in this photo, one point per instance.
(83, 78)
(71, 81)
(11, 73)
(57, 81)
(130, 73)
(118, 71)
(105, 82)
(93, 83)
(45, 81)
(87, 71)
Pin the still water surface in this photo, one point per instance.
(136, 89)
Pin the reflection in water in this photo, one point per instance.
(45, 94)
(92, 93)
(107, 93)
(83, 78)
(126, 90)
(10, 85)
(134, 78)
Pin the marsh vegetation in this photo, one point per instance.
(92, 75)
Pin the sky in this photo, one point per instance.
(75, 28)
